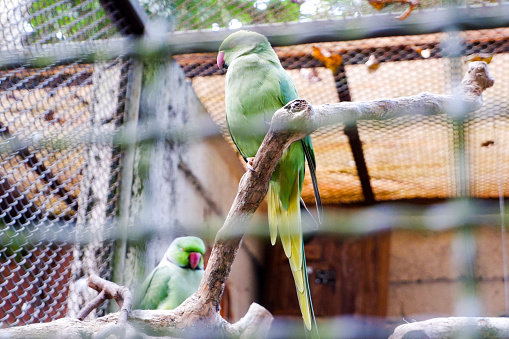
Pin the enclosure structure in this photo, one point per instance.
(94, 173)
(55, 188)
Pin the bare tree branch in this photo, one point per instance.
(109, 290)
(200, 312)
(454, 327)
(466, 98)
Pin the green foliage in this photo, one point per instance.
(194, 14)
(14, 245)
(54, 20)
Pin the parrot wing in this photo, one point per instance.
(289, 93)
(154, 289)
(234, 141)
(310, 157)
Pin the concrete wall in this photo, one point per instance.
(425, 280)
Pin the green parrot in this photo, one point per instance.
(177, 276)
(257, 86)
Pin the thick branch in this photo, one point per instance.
(454, 328)
(293, 122)
(257, 320)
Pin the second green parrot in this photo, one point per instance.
(177, 276)
(256, 87)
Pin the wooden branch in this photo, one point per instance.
(200, 312)
(256, 323)
(257, 320)
(109, 290)
(467, 98)
(454, 327)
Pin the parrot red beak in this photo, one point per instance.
(194, 259)
(220, 60)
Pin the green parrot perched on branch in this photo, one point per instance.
(256, 87)
(177, 276)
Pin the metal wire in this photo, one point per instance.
(58, 202)
(45, 186)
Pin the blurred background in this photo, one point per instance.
(114, 142)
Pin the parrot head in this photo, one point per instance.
(240, 43)
(186, 252)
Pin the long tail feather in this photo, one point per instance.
(288, 223)
(314, 331)
(285, 221)
(310, 157)
(274, 211)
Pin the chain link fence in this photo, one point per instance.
(60, 192)
(53, 191)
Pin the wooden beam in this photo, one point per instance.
(352, 132)
(128, 15)
(205, 65)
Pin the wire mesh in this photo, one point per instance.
(51, 191)
(54, 198)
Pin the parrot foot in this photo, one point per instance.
(250, 162)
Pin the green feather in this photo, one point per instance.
(173, 280)
(257, 86)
